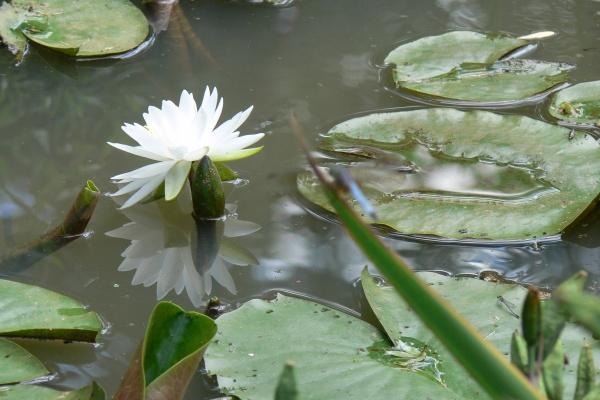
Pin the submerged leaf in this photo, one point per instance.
(465, 65)
(579, 104)
(473, 174)
(286, 387)
(75, 27)
(33, 312)
(17, 364)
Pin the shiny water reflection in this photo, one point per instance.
(173, 251)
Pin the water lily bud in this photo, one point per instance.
(208, 197)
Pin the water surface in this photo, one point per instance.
(315, 58)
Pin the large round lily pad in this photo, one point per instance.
(76, 27)
(463, 65)
(473, 174)
(579, 104)
(338, 356)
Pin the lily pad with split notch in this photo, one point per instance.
(531, 179)
(80, 28)
(578, 104)
(472, 67)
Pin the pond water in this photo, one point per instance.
(314, 58)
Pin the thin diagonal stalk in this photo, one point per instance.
(490, 368)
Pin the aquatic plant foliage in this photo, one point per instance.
(578, 104)
(29, 392)
(471, 66)
(340, 356)
(17, 364)
(169, 355)
(80, 28)
(473, 174)
(28, 311)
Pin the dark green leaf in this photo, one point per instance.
(286, 388)
(208, 197)
(586, 373)
(169, 355)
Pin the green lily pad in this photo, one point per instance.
(468, 66)
(169, 355)
(30, 392)
(17, 364)
(336, 356)
(33, 312)
(473, 174)
(579, 104)
(493, 308)
(9, 21)
(76, 27)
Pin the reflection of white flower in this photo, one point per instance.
(162, 249)
(177, 135)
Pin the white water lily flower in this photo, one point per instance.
(175, 136)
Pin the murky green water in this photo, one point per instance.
(315, 59)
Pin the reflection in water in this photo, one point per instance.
(172, 250)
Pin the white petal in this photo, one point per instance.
(156, 123)
(144, 191)
(176, 178)
(236, 144)
(214, 118)
(236, 155)
(145, 139)
(130, 187)
(221, 274)
(234, 123)
(139, 151)
(147, 171)
(196, 154)
(187, 104)
(237, 228)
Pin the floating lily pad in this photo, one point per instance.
(33, 312)
(9, 21)
(468, 66)
(493, 308)
(473, 174)
(76, 27)
(579, 104)
(29, 392)
(337, 356)
(17, 364)
(252, 344)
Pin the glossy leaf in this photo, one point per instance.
(17, 364)
(472, 174)
(75, 27)
(465, 65)
(579, 104)
(169, 355)
(33, 312)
